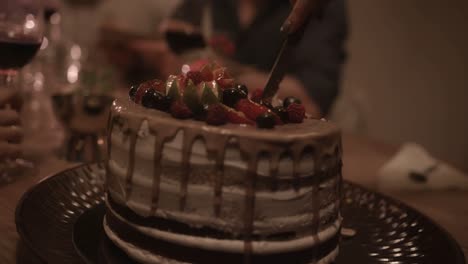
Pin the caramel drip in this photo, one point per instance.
(131, 165)
(110, 127)
(249, 209)
(316, 199)
(296, 153)
(189, 139)
(216, 148)
(133, 127)
(274, 168)
(157, 169)
(161, 137)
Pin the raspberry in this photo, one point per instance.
(257, 95)
(216, 115)
(296, 113)
(180, 110)
(195, 76)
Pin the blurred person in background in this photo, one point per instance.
(246, 36)
(10, 131)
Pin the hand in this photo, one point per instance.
(10, 132)
(299, 14)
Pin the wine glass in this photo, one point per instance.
(21, 34)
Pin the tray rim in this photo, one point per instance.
(25, 238)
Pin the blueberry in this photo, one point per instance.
(231, 96)
(133, 91)
(243, 88)
(156, 100)
(289, 100)
(266, 120)
(281, 112)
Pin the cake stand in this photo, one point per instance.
(60, 219)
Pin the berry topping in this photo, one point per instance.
(281, 113)
(195, 76)
(223, 78)
(250, 109)
(140, 92)
(221, 73)
(296, 113)
(216, 115)
(257, 95)
(232, 95)
(266, 120)
(207, 73)
(132, 92)
(243, 88)
(237, 117)
(180, 110)
(289, 100)
(156, 100)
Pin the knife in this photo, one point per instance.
(279, 69)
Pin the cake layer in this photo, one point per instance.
(273, 229)
(189, 249)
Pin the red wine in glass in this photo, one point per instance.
(17, 52)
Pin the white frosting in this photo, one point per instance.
(147, 257)
(172, 152)
(282, 210)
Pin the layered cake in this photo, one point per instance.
(201, 172)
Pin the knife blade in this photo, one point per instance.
(277, 72)
(279, 69)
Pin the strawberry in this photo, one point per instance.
(195, 76)
(206, 73)
(216, 115)
(223, 78)
(237, 117)
(250, 109)
(296, 113)
(180, 110)
(257, 95)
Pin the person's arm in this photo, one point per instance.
(316, 66)
(10, 132)
(300, 12)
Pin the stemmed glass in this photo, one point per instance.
(21, 34)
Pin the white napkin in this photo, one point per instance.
(413, 168)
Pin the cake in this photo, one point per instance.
(227, 190)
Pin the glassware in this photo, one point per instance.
(21, 34)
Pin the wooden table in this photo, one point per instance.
(362, 159)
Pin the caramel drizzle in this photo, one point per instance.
(249, 209)
(274, 169)
(316, 199)
(217, 148)
(110, 127)
(157, 169)
(296, 156)
(131, 166)
(189, 139)
(216, 151)
(161, 137)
